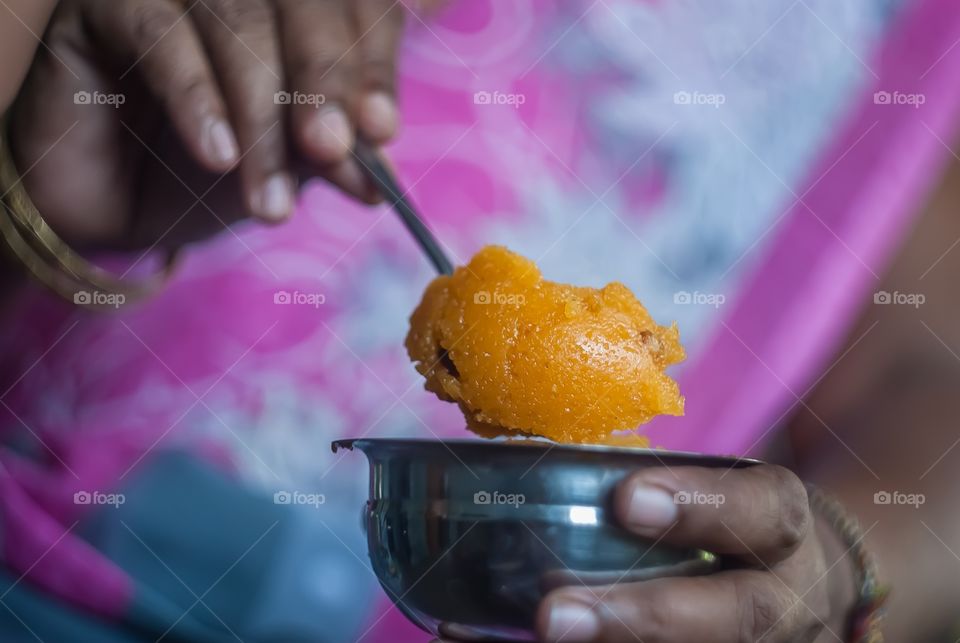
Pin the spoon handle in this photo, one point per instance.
(374, 166)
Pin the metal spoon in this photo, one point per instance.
(373, 165)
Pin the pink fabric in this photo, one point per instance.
(37, 544)
(113, 388)
(790, 320)
(788, 323)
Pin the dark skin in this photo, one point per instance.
(893, 400)
(191, 90)
(194, 74)
(891, 397)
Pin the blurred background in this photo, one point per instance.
(776, 176)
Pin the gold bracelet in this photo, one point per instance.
(48, 258)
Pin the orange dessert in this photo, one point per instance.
(525, 356)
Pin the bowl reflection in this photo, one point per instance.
(467, 536)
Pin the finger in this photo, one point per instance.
(345, 175)
(320, 61)
(67, 149)
(379, 25)
(425, 6)
(759, 513)
(165, 50)
(729, 607)
(241, 38)
(348, 177)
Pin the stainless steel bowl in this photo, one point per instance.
(466, 536)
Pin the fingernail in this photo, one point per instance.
(378, 116)
(276, 197)
(332, 133)
(571, 621)
(221, 142)
(651, 507)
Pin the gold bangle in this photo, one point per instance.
(49, 259)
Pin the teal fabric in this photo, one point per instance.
(212, 562)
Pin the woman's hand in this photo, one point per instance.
(785, 586)
(23, 19)
(141, 107)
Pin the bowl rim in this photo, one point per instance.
(486, 444)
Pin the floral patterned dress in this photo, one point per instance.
(746, 167)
